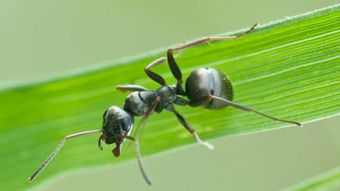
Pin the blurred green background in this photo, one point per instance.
(41, 39)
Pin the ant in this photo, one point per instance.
(207, 87)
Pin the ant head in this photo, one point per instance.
(116, 122)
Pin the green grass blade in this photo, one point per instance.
(289, 69)
(324, 182)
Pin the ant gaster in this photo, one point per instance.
(207, 87)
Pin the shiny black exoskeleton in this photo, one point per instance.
(116, 122)
(206, 87)
(205, 82)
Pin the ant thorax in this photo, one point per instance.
(137, 103)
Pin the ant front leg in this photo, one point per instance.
(182, 120)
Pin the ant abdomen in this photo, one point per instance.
(205, 82)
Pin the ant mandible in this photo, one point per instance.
(207, 87)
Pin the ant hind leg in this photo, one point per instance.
(245, 108)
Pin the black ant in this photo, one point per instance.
(207, 87)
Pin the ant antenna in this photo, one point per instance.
(57, 149)
(139, 158)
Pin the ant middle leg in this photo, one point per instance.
(182, 120)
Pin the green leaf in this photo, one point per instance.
(327, 181)
(289, 69)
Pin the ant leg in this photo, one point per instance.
(155, 77)
(190, 129)
(174, 66)
(57, 149)
(172, 63)
(208, 39)
(176, 72)
(130, 87)
(245, 108)
(139, 158)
